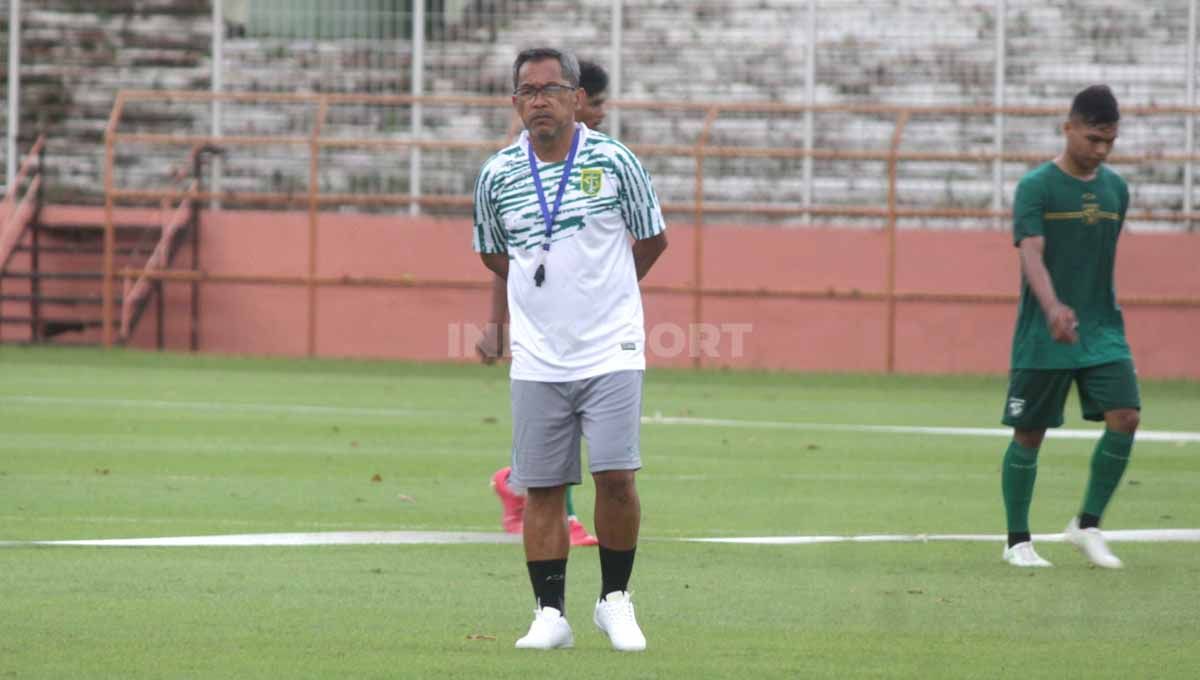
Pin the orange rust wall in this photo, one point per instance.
(812, 335)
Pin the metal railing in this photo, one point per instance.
(313, 200)
(17, 215)
(137, 289)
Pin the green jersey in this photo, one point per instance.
(1080, 222)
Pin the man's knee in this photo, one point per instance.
(545, 497)
(1030, 439)
(1123, 420)
(616, 484)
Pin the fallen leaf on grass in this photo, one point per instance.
(481, 637)
(406, 499)
(377, 478)
(105, 471)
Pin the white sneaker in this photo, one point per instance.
(614, 616)
(1023, 555)
(549, 630)
(1092, 544)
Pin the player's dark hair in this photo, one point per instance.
(566, 60)
(592, 77)
(1096, 105)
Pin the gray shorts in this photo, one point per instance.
(550, 419)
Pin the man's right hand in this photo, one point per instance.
(1064, 327)
(488, 347)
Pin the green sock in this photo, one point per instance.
(570, 503)
(1108, 464)
(1018, 473)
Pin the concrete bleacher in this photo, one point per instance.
(880, 51)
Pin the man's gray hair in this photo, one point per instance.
(566, 59)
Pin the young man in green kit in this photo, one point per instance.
(1067, 216)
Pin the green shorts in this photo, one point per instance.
(1036, 397)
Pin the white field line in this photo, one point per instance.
(1125, 535)
(433, 537)
(657, 419)
(220, 406)
(297, 539)
(1142, 435)
(450, 537)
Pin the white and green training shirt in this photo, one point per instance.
(586, 317)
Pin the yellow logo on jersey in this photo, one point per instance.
(591, 180)
(1091, 214)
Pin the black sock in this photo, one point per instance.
(1087, 521)
(549, 579)
(615, 568)
(1015, 537)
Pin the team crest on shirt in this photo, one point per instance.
(591, 180)
(1091, 213)
(1016, 406)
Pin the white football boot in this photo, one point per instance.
(549, 630)
(1023, 555)
(1092, 544)
(614, 616)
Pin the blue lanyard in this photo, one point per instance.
(547, 216)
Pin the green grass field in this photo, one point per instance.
(127, 444)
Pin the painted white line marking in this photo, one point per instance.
(1142, 435)
(221, 406)
(300, 539)
(657, 419)
(450, 538)
(1124, 535)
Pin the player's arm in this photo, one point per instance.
(1059, 317)
(491, 345)
(498, 263)
(646, 252)
(490, 240)
(489, 235)
(641, 212)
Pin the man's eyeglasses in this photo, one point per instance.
(530, 92)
